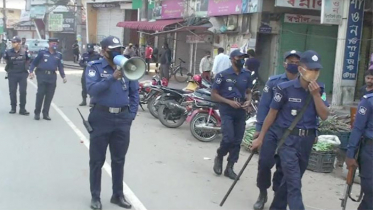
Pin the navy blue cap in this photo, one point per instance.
(53, 40)
(291, 53)
(90, 46)
(16, 39)
(311, 59)
(237, 52)
(111, 42)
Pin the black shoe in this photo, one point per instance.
(218, 165)
(24, 112)
(120, 201)
(12, 111)
(84, 103)
(229, 171)
(96, 204)
(37, 117)
(46, 117)
(262, 199)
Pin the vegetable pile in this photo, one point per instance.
(334, 124)
(248, 137)
(323, 147)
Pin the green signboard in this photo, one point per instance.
(137, 4)
(55, 22)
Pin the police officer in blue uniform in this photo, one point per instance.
(232, 89)
(115, 106)
(16, 61)
(47, 62)
(288, 100)
(267, 151)
(362, 133)
(90, 55)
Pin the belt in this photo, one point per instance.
(111, 110)
(241, 100)
(303, 132)
(367, 141)
(45, 71)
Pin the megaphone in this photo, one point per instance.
(133, 68)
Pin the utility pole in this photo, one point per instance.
(4, 18)
(144, 17)
(78, 22)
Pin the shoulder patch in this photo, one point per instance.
(91, 72)
(368, 95)
(362, 110)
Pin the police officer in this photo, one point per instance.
(16, 61)
(115, 106)
(90, 55)
(232, 89)
(267, 152)
(46, 62)
(288, 100)
(363, 132)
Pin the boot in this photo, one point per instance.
(218, 165)
(84, 102)
(23, 111)
(262, 199)
(229, 171)
(96, 204)
(13, 110)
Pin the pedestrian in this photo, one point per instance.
(148, 55)
(267, 157)
(156, 56)
(165, 62)
(137, 50)
(16, 62)
(46, 62)
(116, 101)
(368, 87)
(221, 62)
(294, 152)
(76, 51)
(362, 133)
(3, 47)
(24, 45)
(205, 66)
(89, 56)
(129, 52)
(252, 63)
(232, 89)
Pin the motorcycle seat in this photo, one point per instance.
(208, 104)
(172, 90)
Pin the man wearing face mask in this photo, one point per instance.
(232, 89)
(46, 62)
(294, 150)
(90, 55)
(116, 100)
(267, 153)
(16, 61)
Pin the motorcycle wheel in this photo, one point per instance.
(162, 114)
(199, 134)
(152, 109)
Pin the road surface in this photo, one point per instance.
(45, 163)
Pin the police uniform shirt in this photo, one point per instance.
(230, 85)
(108, 91)
(86, 57)
(46, 61)
(289, 98)
(266, 99)
(363, 125)
(16, 61)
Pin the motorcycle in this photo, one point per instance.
(148, 89)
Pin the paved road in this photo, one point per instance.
(45, 164)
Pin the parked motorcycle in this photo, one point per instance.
(148, 89)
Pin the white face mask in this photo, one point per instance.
(308, 75)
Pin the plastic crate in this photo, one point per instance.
(322, 162)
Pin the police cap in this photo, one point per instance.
(292, 53)
(111, 42)
(90, 46)
(311, 59)
(53, 40)
(238, 53)
(16, 39)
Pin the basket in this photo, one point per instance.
(343, 138)
(322, 162)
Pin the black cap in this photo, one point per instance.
(111, 42)
(291, 53)
(53, 40)
(16, 39)
(311, 59)
(237, 52)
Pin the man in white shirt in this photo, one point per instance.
(221, 62)
(205, 66)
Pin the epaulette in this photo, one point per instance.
(91, 63)
(284, 85)
(368, 95)
(274, 77)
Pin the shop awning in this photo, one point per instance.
(158, 25)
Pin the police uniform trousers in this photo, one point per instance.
(366, 175)
(111, 130)
(84, 88)
(233, 128)
(294, 155)
(15, 80)
(267, 159)
(47, 82)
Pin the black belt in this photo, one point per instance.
(112, 110)
(45, 71)
(241, 100)
(303, 132)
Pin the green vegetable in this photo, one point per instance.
(248, 137)
(323, 147)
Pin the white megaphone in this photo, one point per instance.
(133, 68)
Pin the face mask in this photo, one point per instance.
(292, 68)
(309, 75)
(112, 54)
(239, 63)
(54, 46)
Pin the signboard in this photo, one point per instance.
(265, 29)
(154, 11)
(251, 6)
(331, 12)
(301, 4)
(37, 12)
(352, 46)
(308, 19)
(202, 38)
(224, 7)
(106, 5)
(172, 9)
(25, 16)
(61, 22)
(201, 8)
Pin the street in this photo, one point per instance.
(45, 163)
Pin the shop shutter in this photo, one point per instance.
(107, 20)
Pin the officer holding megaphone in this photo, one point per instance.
(112, 83)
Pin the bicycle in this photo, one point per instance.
(180, 73)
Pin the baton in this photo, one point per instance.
(238, 177)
